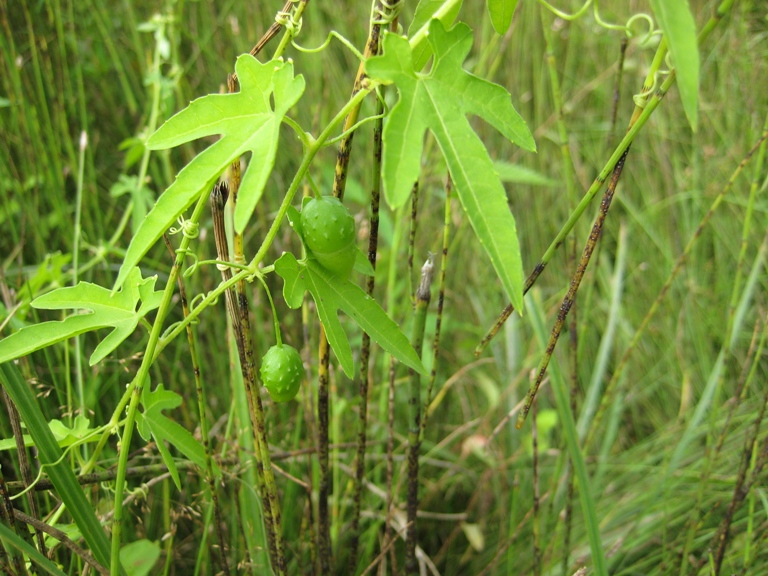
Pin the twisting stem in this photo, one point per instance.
(609, 388)
(594, 236)
(414, 414)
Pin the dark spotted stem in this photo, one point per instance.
(241, 328)
(440, 300)
(639, 119)
(565, 307)
(323, 521)
(371, 49)
(365, 348)
(609, 389)
(420, 306)
(201, 404)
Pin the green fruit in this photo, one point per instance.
(329, 232)
(281, 372)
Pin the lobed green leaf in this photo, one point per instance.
(120, 311)
(440, 102)
(246, 122)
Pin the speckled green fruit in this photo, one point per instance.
(329, 231)
(281, 372)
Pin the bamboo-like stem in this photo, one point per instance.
(617, 91)
(324, 488)
(267, 487)
(204, 428)
(365, 347)
(609, 388)
(440, 301)
(574, 287)
(421, 303)
(414, 223)
(390, 451)
(372, 48)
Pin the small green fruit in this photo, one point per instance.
(281, 372)
(329, 232)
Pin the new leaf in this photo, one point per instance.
(152, 423)
(440, 102)
(331, 294)
(246, 122)
(119, 311)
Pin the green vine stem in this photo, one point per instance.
(135, 390)
(644, 108)
(201, 404)
(155, 345)
(420, 306)
(609, 388)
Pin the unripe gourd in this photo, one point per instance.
(281, 372)
(329, 232)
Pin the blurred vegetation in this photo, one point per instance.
(68, 67)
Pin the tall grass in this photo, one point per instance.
(668, 452)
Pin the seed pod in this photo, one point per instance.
(329, 232)
(281, 372)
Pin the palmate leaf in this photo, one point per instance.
(677, 22)
(246, 121)
(425, 11)
(332, 293)
(440, 102)
(151, 423)
(120, 311)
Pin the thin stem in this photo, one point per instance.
(323, 521)
(414, 415)
(440, 301)
(609, 388)
(574, 287)
(204, 428)
(135, 390)
(75, 264)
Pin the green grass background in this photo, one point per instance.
(70, 66)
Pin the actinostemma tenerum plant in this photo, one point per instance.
(281, 372)
(329, 232)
